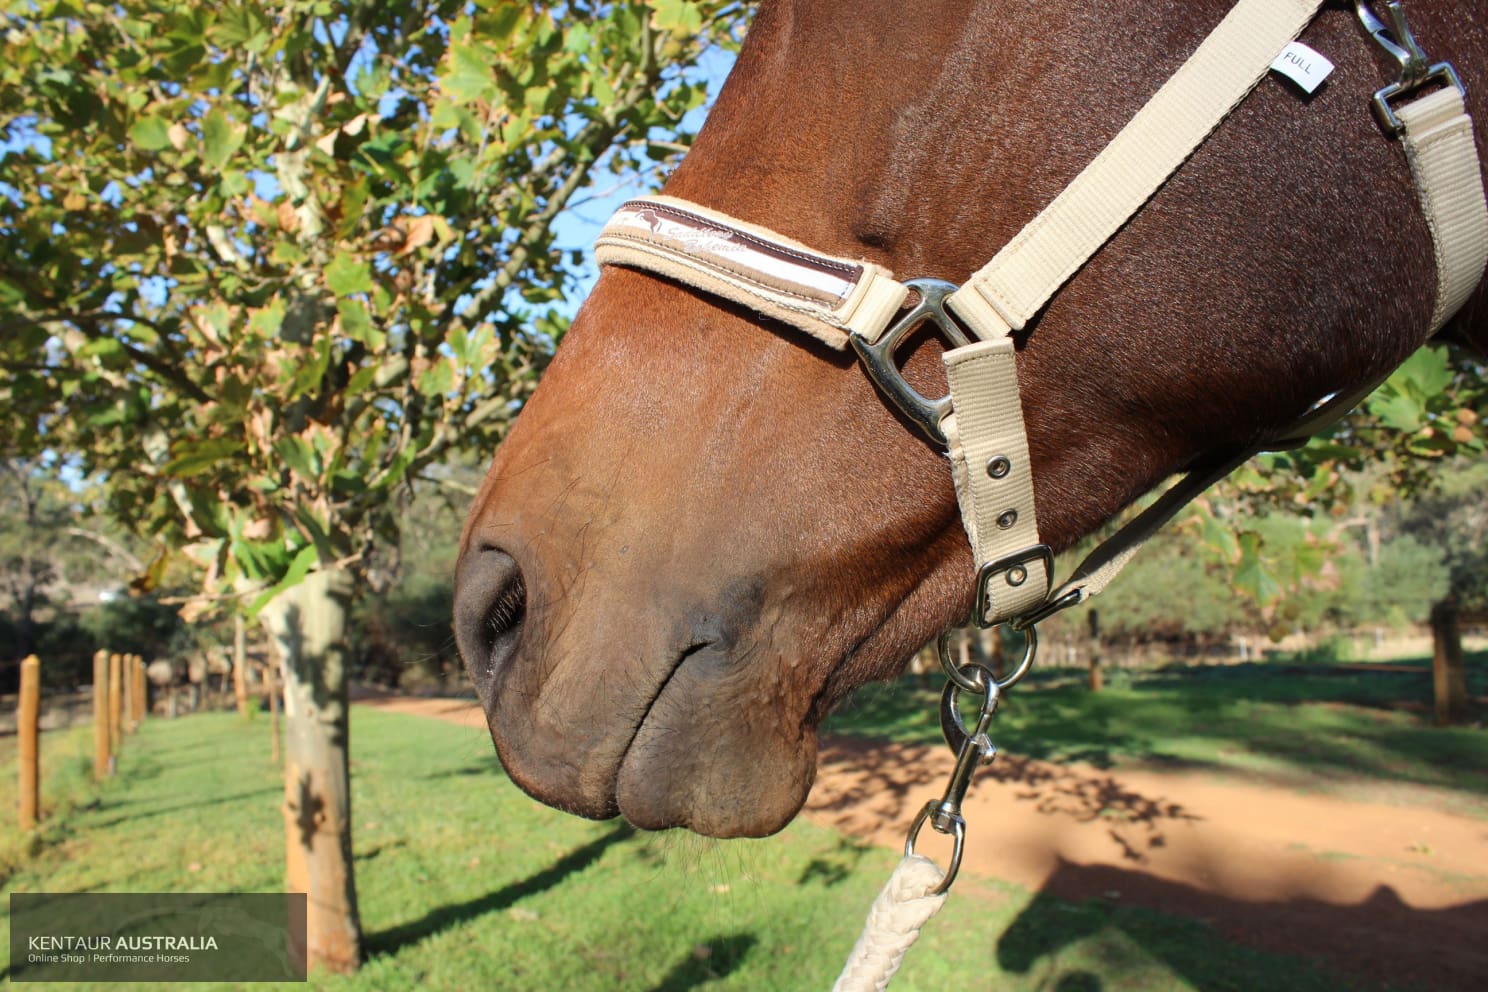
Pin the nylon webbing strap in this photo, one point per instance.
(986, 439)
(1443, 157)
(825, 296)
(830, 297)
(1011, 288)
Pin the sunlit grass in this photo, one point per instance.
(1300, 726)
(466, 884)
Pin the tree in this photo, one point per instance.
(262, 264)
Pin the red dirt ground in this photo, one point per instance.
(1383, 892)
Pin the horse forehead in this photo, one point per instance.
(1006, 99)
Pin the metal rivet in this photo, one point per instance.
(999, 466)
(1017, 575)
(1007, 519)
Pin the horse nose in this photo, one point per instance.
(490, 606)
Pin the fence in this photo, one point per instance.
(120, 694)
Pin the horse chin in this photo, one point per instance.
(704, 726)
(728, 777)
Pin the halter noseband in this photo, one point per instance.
(843, 301)
(980, 422)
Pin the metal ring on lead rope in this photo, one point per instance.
(975, 683)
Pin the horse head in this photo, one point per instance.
(705, 530)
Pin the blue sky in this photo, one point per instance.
(579, 224)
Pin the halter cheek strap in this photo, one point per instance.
(844, 301)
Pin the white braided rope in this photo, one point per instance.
(907, 902)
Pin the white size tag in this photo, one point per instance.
(1302, 66)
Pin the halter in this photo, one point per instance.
(851, 303)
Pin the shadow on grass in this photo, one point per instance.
(395, 939)
(1354, 719)
(152, 811)
(1379, 942)
(708, 962)
(491, 767)
(836, 867)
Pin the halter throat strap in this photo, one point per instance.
(842, 301)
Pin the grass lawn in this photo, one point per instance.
(466, 884)
(1334, 727)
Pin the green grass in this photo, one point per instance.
(466, 884)
(66, 774)
(1306, 727)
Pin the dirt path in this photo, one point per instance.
(1383, 892)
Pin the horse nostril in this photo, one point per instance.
(490, 605)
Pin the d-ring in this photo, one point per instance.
(975, 683)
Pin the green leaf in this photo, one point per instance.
(438, 379)
(299, 456)
(299, 567)
(677, 16)
(195, 457)
(150, 134)
(221, 137)
(1399, 412)
(469, 76)
(356, 323)
(1251, 576)
(346, 274)
(1425, 374)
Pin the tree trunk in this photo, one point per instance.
(309, 624)
(240, 665)
(1448, 674)
(274, 735)
(1097, 678)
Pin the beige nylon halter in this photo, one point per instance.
(837, 300)
(840, 300)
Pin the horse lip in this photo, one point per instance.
(661, 689)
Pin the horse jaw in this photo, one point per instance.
(675, 674)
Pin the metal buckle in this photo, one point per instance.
(1416, 70)
(1014, 570)
(878, 356)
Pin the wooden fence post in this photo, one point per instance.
(27, 738)
(141, 691)
(240, 664)
(126, 687)
(101, 750)
(1448, 673)
(116, 702)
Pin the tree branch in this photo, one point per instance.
(108, 544)
(88, 322)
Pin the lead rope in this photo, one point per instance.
(918, 888)
(914, 893)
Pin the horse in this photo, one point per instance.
(705, 530)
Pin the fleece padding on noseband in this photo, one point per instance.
(825, 296)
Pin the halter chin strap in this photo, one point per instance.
(844, 301)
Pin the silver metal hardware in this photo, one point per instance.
(878, 356)
(973, 682)
(999, 466)
(1007, 519)
(973, 748)
(1008, 568)
(1416, 70)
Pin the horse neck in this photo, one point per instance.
(1286, 260)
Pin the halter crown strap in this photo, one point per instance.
(838, 300)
